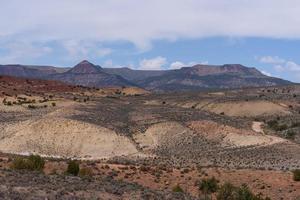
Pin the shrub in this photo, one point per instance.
(281, 127)
(229, 192)
(31, 106)
(273, 123)
(85, 172)
(37, 162)
(73, 168)
(33, 162)
(295, 124)
(296, 175)
(290, 134)
(226, 192)
(208, 186)
(19, 163)
(177, 188)
(53, 104)
(244, 192)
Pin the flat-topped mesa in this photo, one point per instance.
(85, 67)
(204, 70)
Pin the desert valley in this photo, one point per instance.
(191, 133)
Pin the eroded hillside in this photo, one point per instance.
(229, 134)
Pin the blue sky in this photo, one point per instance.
(157, 34)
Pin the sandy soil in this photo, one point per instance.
(253, 108)
(232, 136)
(56, 135)
(67, 138)
(250, 140)
(257, 127)
(160, 134)
(134, 91)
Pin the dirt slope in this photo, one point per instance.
(244, 108)
(56, 135)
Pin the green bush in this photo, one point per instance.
(296, 175)
(290, 134)
(273, 124)
(73, 168)
(229, 192)
(177, 188)
(33, 162)
(32, 106)
(281, 127)
(209, 186)
(243, 192)
(19, 163)
(37, 162)
(226, 192)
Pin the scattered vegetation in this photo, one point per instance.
(33, 162)
(230, 192)
(290, 134)
(208, 186)
(32, 106)
(177, 188)
(295, 124)
(274, 124)
(7, 103)
(73, 168)
(296, 175)
(85, 172)
(226, 192)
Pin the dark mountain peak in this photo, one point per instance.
(84, 62)
(85, 67)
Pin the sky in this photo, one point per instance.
(156, 34)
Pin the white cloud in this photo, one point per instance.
(271, 60)
(22, 51)
(141, 22)
(110, 64)
(279, 68)
(179, 64)
(82, 49)
(266, 73)
(153, 64)
(282, 66)
(280, 63)
(292, 66)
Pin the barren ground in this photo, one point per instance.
(241, 136)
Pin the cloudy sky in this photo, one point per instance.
(156, 34)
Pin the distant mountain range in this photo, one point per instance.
(88, 74)
(197, 77)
